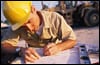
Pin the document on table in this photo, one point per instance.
(70, 56)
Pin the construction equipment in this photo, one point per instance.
(87, 13)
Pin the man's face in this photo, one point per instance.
(32, 23)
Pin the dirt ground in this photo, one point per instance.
(87, 35)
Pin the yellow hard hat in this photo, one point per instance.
(17, 12)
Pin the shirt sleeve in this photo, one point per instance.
(64, 30)
(10, 37)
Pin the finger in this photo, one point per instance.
(47, 53)
(45, 49)
(28, 59)
(50, 45)
(34, 57)
(50, 51)
(35, 54)
(53, 50)
(28, 53)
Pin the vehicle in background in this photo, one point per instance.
(77, 12)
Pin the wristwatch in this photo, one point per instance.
(18, 50)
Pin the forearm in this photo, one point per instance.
(7, 48)
(66, 45)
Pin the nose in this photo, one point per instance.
(27, 26)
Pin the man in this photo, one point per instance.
(38, 28)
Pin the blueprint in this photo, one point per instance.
(70, 56)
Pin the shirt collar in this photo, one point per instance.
(45, 16)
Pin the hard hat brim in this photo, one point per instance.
(18, 25)
(17, 12)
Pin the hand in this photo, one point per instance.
(29, 54)
(51, 49)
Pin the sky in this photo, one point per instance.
(37, 4)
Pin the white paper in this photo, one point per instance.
(70, 56)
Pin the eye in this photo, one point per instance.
(28, 21)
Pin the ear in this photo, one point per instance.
(33, 9)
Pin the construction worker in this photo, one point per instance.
(43, 29)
